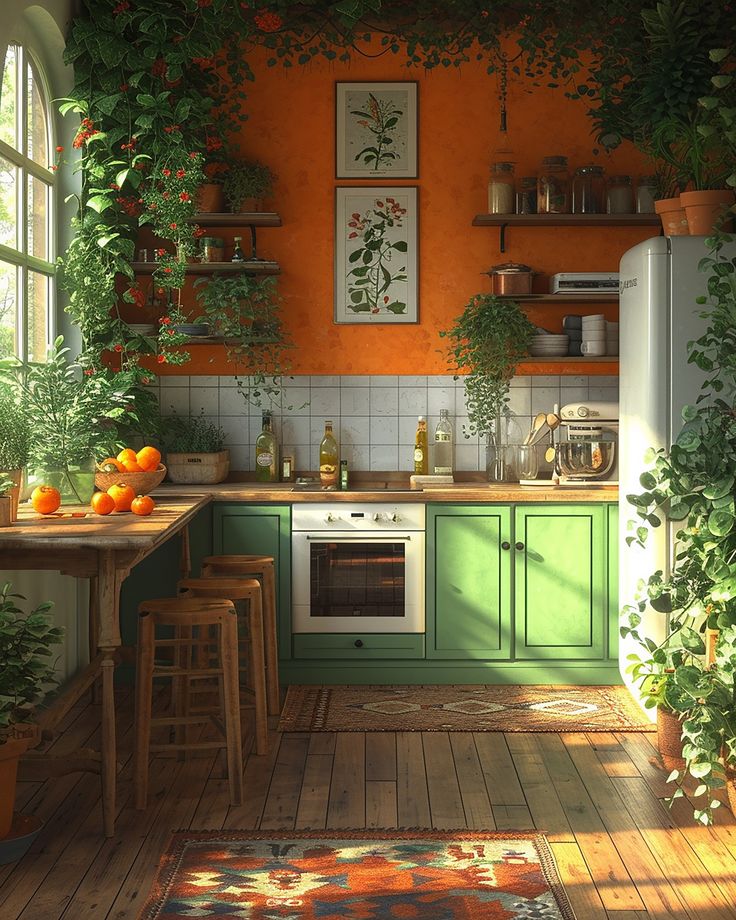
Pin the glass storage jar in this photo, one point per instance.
(526, 195)
(588, 191)
(620, 195)
(553, 186)
(213, 249)
(501, 188)
(646, 190)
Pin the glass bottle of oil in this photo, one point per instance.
(421, 459)
(267, 452)
(329, 459)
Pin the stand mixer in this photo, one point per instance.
(589, 455)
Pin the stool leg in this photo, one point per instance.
(271, 648)
(258, 669)
(143, 704)
(180, 686)
(231, 693)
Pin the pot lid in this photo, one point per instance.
(508, 268)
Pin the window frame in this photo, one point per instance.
(23, 261)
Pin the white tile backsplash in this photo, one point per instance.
(375, 417)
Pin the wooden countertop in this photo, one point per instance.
(287, 493)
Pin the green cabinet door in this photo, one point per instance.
(266, 531)
(613, 612)
(468, 582)
(561, 581)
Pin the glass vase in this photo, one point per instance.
(75, 482)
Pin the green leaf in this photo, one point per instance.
(720, 523)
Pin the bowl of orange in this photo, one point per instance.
(142, 470)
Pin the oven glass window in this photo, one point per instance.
(355, 579)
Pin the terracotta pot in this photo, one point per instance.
(210, 198)
(669, 739)
(24, 735)
(17, 477)
(706, 209)
(5, 508)
(672, 215)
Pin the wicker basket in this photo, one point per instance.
(198, 469)
(669, 739)
(143, 483)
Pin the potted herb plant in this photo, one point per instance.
(6, 500)
(14, 445)
(246, 183)
(487, 341)
(195, 451)
(25, 649)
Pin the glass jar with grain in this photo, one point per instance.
(620, 195)
(501, 188)
(553, 186)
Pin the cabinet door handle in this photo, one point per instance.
(505, 545)
(520, 545)
(358, 643)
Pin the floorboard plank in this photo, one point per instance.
(380, 804)
(282, 802)
(476, 804)
(412, 795)
(380, 757)
(613, 756)
(346, 806)
(500, 777)
(577, 880)
(315, 792)
(539, 792)
(445, 801)
(256, 782)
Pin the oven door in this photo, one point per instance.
(367, 582)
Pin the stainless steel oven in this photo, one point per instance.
(357, 567)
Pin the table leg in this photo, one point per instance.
(108, 609)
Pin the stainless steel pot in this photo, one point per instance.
(586, 459)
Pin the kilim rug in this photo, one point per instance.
(358, 875)
(496, 708)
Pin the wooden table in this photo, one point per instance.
(103, 549)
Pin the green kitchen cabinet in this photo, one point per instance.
(613, 609)
(561, 582)
(469, 582)
(264, 530)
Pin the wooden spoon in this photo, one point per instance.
(539, 419)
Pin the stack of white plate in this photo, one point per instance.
(549, 346)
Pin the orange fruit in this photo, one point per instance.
(148, 458)
(122, 495)
(110, 464)
(142, 504)
(102, 503)
(45, 499)
(127, 453)
(131, 466)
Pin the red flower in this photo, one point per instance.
(118, 347)
(166, 172)
(185, 196)
(124, 87)
(355, 216)
(167, 269)
(204, 3)
(193, 155)
(160, 252)
(385, 299)
(213, 143)
(159, 67)
(53, 168)
(161, 359)
(180, 173)
(171, 332)
(89, 371)
(379, 204)
(59, 149)
(121, 7)
(268, 21)
(199, 231)
(172, 226)
(164, 320)
(352, 235)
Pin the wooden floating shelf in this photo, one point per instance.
(566, 220)
(245, 219)
(607, 365)
(210, 268)
(561, 298)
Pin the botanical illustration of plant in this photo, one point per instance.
(380, 117)
(378, 260)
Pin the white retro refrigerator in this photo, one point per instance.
(659, 282)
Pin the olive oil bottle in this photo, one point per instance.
(421, 458)
(267, 452)
(329, 459)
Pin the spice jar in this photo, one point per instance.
(646, 189)
(620, 195)
(213, 249)
(588, 190)
(526, 195)
(553, 186)
(501, 189)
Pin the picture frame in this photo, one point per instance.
(376, 128)
(376, 254)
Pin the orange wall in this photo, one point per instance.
(291, 127)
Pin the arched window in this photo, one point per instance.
(26, 208)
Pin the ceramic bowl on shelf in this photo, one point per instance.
(142, 328)
(192, 328)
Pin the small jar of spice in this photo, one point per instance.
(526, 195)
(501, 189)
(588, 188)
(646, 190)
(553, 186)
(213, 249)
(620, 195)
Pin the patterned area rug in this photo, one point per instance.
(494, 708)
(358, 875)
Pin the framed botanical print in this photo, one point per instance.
(376, 130)
(376, 264)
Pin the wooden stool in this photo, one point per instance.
(238, 590)
(262, 568)
(184, 614)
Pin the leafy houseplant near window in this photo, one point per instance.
(25, 647)
(245, 184)
(488, 340)
(14, 445)
(195, 450)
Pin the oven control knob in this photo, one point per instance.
(396, 518)
(583, 411)
(377, 516)
(330, 519)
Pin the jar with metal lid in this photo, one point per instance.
(553, 186)
(213, 248)
(501, 188)
(620, 195)
(588, 190)
(526, 195)
(646, 190)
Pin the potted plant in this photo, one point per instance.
(245, 184)
(7, 485)
(487, 341)
(195, 451)
(14, 445)
(25, 647)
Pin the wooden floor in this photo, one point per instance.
(621, 854)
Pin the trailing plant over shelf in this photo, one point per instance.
(487, 341)
(246, 180)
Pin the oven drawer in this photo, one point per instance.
(369, 646)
